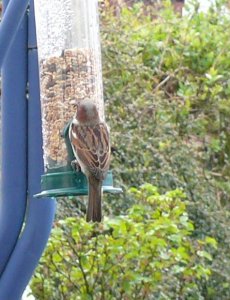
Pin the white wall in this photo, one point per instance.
(204, 5)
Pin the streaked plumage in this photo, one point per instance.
(89, 137)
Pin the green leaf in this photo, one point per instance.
(204, 254)
(211, 241)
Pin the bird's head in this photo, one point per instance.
(87, 113)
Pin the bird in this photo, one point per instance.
(90, 140)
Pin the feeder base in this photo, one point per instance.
(70, 183)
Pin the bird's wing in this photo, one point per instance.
(92, 147)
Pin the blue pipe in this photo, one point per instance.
(41, 213)
(12, 18)
(14, 144)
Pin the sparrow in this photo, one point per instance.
(89, 137)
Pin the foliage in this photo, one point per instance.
(166, 86)
(146, 254)
(167, 91)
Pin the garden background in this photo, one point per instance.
(167, 95)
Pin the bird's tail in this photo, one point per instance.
(94, 202)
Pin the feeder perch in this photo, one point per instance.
(70, 71)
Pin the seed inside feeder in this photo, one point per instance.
(65, 79)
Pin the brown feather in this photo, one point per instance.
(92, 148)
(94, 204)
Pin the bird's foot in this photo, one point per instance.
(75, 166)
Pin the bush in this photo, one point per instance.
(146, 254)
(167, 91)
(166, 86)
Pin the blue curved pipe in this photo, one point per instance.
(12, 18)
(14, 144)
(40, 213)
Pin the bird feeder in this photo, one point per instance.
(70, 71)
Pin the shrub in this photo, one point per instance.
(167, 91)
(146, 254)
(166, 86)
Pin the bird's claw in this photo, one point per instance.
(75, 166)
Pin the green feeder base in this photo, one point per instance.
(65, 182)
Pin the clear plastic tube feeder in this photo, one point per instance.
(70, 71)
